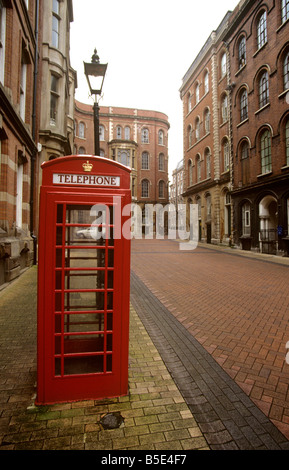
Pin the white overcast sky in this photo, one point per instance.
(149, 46)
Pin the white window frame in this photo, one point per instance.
(22, 101)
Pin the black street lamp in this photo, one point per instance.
(95, 73)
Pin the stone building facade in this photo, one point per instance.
(207, 145)
(135, 138)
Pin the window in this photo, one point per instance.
(206, 82)
(199, 168)
(190, 135)
(245, 163)
(23, 77)
(262, 30)
(266, 161)
(284, 10)
(81, 130)
(197, 93)
(244, 105)
(54, 95)
(264, 90)
(81, 151)
(209, 206)
(190, 172)
(286, 72)
(208, 163)
(197, 129)
(101, 132)
(226, 155)
(161, 138)
(145, 161)
(2, 40)
(223, 65)
(246, 220)
(189, 103)
(207, 121)
(225, 108)
(124, 157)
(145, 136)
(118, 132)
(55, 23)
(145, 188)
(161, 189)
(287, 141)
(127, 133)
(161, 162)
(19, 195)
(242, 52)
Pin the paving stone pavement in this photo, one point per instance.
(233, 308)
(155, 414)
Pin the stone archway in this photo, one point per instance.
(268, 215)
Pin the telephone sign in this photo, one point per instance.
(83, 280)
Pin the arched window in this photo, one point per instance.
(81, 151)
(161, 162)
(145, 161)
(266, 157)
(127, 133)
(190, 172)
(243, 105)
(286, 71)
(206, 82)
(264, 89)
(161, 137)
(208, 163)
(189, 103)
(284, 10)
(245, 162)
(223, 65)
(262, 30)
(199, 168)
(145, 188)
(101, 132)
(224, 108)
(242, 52)
(207, 121)
(287, 141)
(118, 132)
(161, 189)
(145, 136)
(197, 129)
(81, 130)
(226, 155)
(197, 93)
(190, 134)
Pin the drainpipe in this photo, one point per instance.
(33, 159)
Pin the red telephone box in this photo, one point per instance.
(83, 280)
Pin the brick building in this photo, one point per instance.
(258, 47)
(236, 129)
(20, 23)
(206, 120)
(34, 125)
(135, 138)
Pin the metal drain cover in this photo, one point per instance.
(111, 420)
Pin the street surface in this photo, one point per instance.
(235, 305)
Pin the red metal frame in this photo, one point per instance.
(83, 287)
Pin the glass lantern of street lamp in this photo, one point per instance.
(95, 73)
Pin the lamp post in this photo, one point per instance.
(95, 73)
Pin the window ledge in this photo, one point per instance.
(284, 93)
(240, 69)
(286, 167)
(265, 174)
(261, 109)
(243, 122)
(282, 26)
(260, 49)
